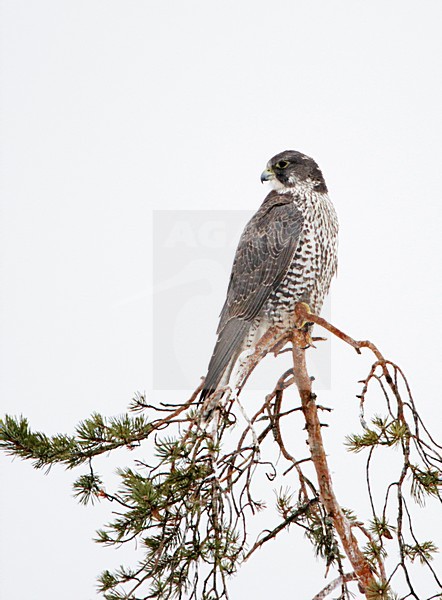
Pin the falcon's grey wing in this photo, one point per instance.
(263, 257)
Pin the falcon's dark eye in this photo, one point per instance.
(282, 164)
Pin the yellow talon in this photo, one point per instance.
(301, 309)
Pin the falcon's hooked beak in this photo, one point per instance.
(267, 175)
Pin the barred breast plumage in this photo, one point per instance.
(314, 262)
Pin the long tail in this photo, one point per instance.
(227, 349)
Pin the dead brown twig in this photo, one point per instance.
(303, 314)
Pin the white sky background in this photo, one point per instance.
(110, 110)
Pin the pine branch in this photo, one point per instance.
(190, 510)
(94, 436)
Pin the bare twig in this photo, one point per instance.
(334, 584)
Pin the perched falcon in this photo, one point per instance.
(287, 254)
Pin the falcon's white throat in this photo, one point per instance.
(276, 185)
(297, 187)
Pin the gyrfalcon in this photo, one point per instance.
(287, 254)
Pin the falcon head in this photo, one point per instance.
(291, 169)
